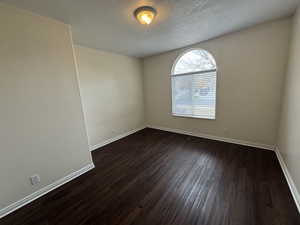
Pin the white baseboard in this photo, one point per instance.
(106, 142)
(22, 202)
(224, 139)
(289, 179)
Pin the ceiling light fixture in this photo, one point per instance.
(145, 14)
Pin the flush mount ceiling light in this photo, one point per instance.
(145, 14)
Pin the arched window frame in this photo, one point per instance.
(190, 73)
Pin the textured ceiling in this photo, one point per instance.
(110, 25)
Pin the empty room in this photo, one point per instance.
(150, 112)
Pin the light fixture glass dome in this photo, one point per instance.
(145, 14)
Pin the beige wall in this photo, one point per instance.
(289, 130)
(251, 67)
(42, 129)
(112, 93)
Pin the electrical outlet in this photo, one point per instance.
(35, 179)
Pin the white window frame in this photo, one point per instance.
(191, 73)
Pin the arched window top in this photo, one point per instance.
(194, 61)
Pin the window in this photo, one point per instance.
(194, 79)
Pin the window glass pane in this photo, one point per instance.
(195, 60)
(182, 95)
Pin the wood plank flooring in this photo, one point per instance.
(160, 178)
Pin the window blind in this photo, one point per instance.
(194, 95)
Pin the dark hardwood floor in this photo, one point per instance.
(159, 178)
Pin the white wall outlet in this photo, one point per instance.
(35, 179)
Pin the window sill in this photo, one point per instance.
(194, 117)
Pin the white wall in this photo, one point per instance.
(289, 130)
(251, 67)
(112, 93)
(42, 129)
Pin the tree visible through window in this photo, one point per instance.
(194, 77)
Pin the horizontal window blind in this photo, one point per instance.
(194, 94)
